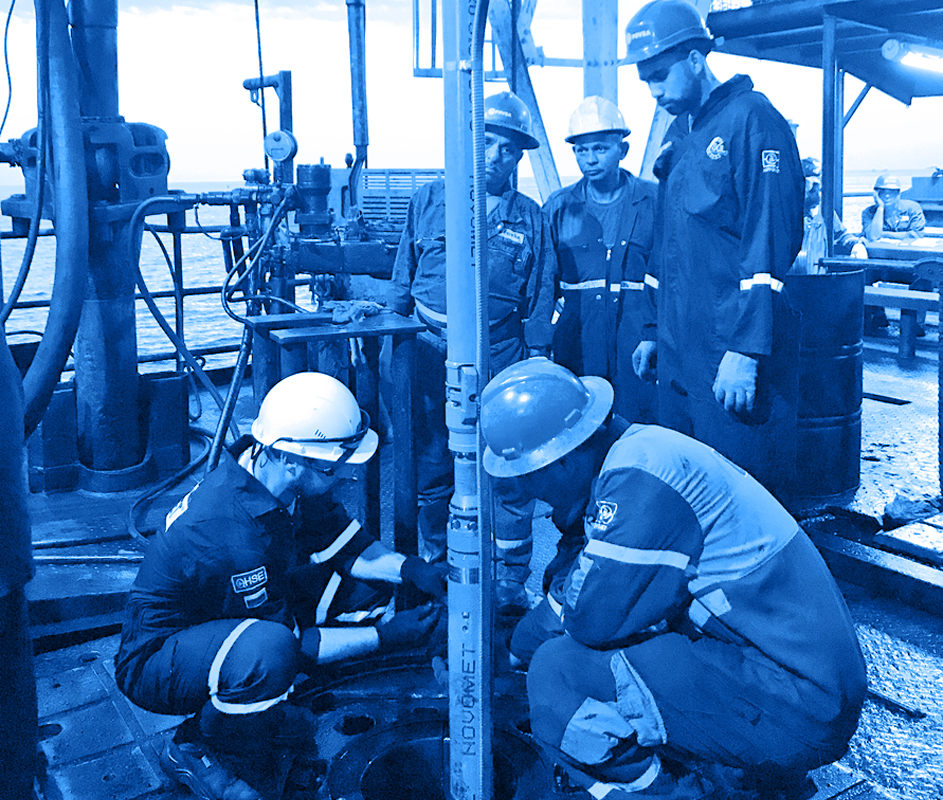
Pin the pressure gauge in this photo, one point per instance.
(280, 146)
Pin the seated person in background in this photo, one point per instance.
(813, 237)
(891, 217)
(697, 626)
(260, 575)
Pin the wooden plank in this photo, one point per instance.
(901, 298)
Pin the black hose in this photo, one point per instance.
(71, 212)
(137, 230)
(235, 385)
(135, 513)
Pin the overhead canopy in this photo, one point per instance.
(790, 31)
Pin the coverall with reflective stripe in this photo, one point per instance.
(521, 275)
(700, 613)
(210, 625)
(731, 208)
(601, 321)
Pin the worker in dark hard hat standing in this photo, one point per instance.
(698, 627)
(603, 228)
(521, 275)
(260, 574)
(729, 228)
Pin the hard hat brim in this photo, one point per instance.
(601, 396)
(327, 451)
(527, 141)
(572, 139)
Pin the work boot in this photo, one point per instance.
(198, 768)
(511, 597)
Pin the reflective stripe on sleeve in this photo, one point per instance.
(632, 555)
(761, 279)
(651, 281)
(216, 667)
(337, 545)
(435, 316)
(326, 599)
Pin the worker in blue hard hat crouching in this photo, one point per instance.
(697, 633)
(260, 575)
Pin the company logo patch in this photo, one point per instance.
(249, 581)
(716, 149)
(512, 236)
(257, 599)
(770, 161)
(605, 514)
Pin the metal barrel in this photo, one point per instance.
(828, 451)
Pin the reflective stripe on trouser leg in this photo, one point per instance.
(254, 668)
(513, 522)
(579, 699)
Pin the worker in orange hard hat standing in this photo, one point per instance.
(728, 231)
(602, 229)
(521, 275)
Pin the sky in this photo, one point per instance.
(181, 68)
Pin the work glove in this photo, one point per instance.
(427, 578)
(735, 384)
(407, 628)
(644, 360)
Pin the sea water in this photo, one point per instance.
(205, 322)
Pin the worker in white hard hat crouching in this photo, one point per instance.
(259, 575)
(603, 230)
(700, 644)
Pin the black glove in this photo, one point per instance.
(427, 578)
(407, 627)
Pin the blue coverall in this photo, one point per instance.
(521, 277)
(700, 623)
(602, 289)
(223, 613)
(731, 206)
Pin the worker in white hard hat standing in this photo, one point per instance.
(728, 230)
(698, 628)
(521, 275)
(260, 574)
(603, 228)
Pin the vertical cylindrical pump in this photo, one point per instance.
(314, 187)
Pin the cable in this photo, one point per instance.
(256, 248)
(42, 139)
(206, 233)
(6, 64)
(134, 513)
(258, 43)
(136, 228)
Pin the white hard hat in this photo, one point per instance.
(596, 115)
(314, 415)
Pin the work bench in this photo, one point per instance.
(892, 290)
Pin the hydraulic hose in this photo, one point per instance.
(36, 215)
(71, 213)
(137, 231)
(235, 385)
